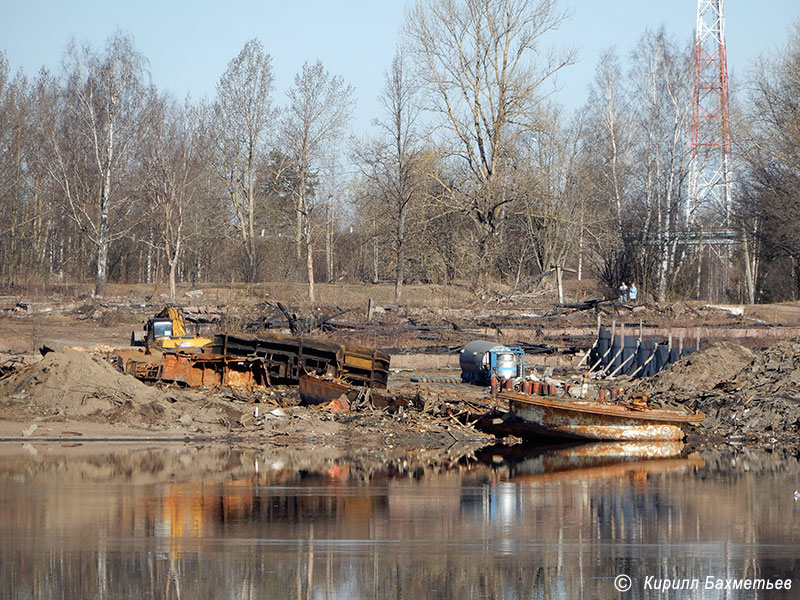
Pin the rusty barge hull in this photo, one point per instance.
(581, 420)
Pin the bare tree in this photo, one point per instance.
(393, 163)
(172, 166)
(242, 113)
(607, 135)
(768, 204)
(102, 111)
(483, 65)
(603, 176)
(546, 208)
(13, 215)
(662, 89)
(315, 118)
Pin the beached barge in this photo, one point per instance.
(570, 418)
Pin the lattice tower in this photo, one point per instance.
(709, 196)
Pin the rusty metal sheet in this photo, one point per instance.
(250, 362)
(146, 367)
(314, 390)
(195, 370)
(180, 369)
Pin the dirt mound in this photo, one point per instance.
(762, 401)
(81, 385)
(700, 371)
(73, 383)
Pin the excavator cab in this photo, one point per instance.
(160, 327)
(167, 330)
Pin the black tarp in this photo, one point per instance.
(641, 358)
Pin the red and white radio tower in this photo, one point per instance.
(709, 195)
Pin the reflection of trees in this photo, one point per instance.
(348, 530)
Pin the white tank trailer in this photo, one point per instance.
(480, 361)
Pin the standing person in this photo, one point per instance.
(633, 292)
(623, 293)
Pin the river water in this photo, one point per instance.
(180, 521)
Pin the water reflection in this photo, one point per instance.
(212, 522)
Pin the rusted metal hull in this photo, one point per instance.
(212, 370)
(315, 390)
(318, 390)
(593, 420)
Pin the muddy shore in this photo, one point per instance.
(749, 392)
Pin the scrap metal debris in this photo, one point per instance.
(237, 360)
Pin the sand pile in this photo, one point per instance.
(700, 371)
(74, 383)
(81, 385)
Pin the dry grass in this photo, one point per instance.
(343, 295)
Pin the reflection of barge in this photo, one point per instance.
(588, 420)
(596, 460)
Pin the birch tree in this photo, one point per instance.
(172, 167)
(662, 89)
(607, 138)
(102, 117)
(393, 163)
(606, 166)
(243, 112)
(318, 111)
(768, 206)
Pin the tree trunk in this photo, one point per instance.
(103, 242)
(748, 271)
(310, 267)
(400, 259)
(306, 232)
(103, 234)
(173, 267)
(101, 273)
(329, 242)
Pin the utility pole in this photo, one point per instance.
(709, 206)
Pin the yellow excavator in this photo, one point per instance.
(167, 330)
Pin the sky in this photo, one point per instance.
(189, 44)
